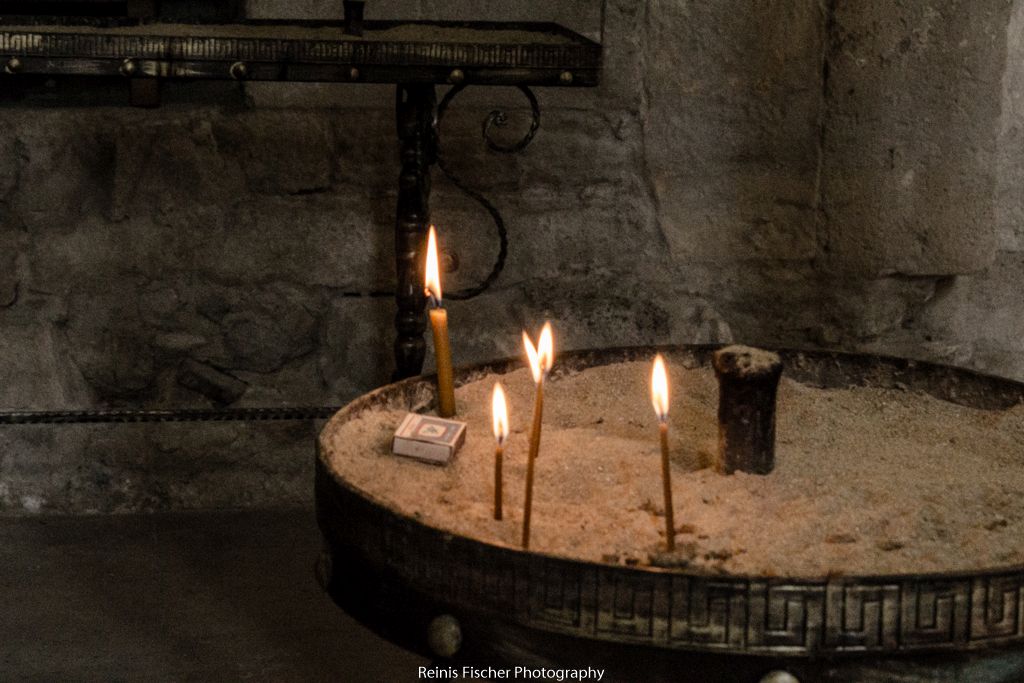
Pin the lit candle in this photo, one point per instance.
(439, 325)
(659, 397)
(499, 409)
(541, 358)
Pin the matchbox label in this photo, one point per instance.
(428, 438)
(435, 430)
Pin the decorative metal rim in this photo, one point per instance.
(686, 609)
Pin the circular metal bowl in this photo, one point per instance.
(515, 607)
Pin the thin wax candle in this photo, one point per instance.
(541, 358)
(499, 409)
(659, 397)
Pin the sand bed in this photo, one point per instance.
(867, 481)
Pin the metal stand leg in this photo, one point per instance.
(416, 109)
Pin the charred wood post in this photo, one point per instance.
(747, 382)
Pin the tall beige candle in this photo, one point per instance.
(443, 359)
(439, 326)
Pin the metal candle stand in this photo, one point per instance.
(433, 589)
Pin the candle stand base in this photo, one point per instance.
(510, 607)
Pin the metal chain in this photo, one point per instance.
(19, 417)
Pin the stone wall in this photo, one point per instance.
(778, 172)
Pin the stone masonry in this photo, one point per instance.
(781, 172)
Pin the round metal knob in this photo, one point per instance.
(456, 76)
(239, 71)
(444, 635)
(13, 65)
(354, 74)
(565, 77)
(128, 67)
(450, 261)
(779, 677)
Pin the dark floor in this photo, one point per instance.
(178, 597)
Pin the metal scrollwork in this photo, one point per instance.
(495, 119)
(499, 118)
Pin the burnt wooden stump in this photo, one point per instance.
(747, 382)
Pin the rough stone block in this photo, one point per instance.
(286, 153)
(740, 215)
(211, 382)
(34, 374)
(730, 129)
(736, 87)
(169, 166)
(269, 330)
(908, 169)
(976, 319)
(43, 142)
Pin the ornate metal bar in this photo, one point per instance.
(386, 52)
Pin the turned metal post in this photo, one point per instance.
(747, 382)
(416, 109)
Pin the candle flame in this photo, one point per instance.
(499, 410)
(659, 388)
(433, 275)
(542, 356)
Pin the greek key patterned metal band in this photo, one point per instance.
(677, 610)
